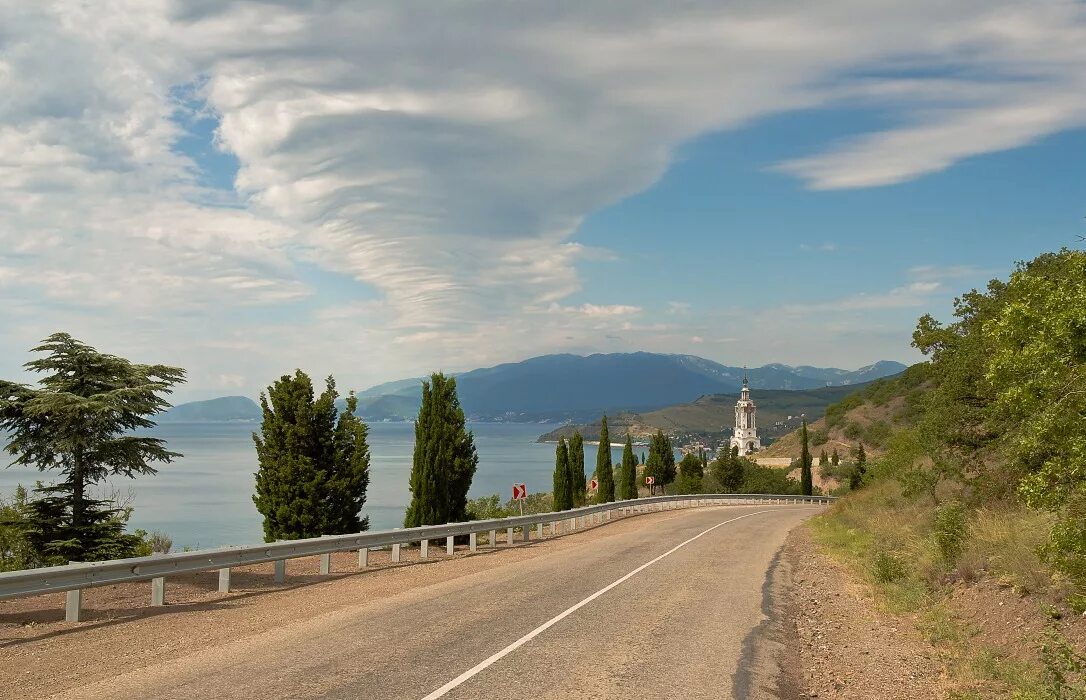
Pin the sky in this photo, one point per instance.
(380, 190)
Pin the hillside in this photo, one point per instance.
(779, 412)
(579, 388)
(226, 408)
(869, 416)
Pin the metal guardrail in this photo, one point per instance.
(75, 577)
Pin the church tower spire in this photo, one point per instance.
(745, 435)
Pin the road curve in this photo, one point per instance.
(656, 611)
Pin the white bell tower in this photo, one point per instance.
(745, 436)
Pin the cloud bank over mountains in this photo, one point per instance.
(410, 174)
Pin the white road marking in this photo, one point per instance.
(491, 660)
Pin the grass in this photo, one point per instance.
(911, 552)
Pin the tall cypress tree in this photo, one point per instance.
(856, 476)
(314, 462)
(604, 470)
(661, 462)
(806, 483)
(627, 479)
(836, 458)
(79, 423)
(563, 478)
(444, 461)
(823, 459)
(576, 468)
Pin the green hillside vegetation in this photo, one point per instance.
(978, 473)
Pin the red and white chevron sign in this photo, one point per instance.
(650, 480)
(520, 492)
(593, 485)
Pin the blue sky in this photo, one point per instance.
(382, 190)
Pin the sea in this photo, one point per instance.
(204, 499)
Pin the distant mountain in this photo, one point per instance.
(575, 387)
(567, 388)
(227, 408)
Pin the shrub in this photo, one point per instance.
(887, 567)
(820, 437)
(950, 531)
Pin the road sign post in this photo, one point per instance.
(520, 494)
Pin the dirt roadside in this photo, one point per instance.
(837, 644)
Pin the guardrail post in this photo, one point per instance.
(493, 538)
(326, 561)
(73, 606)
(424, 549)
(396, 553)
(224, 580)
(158, 590)
(554, 528)
(473, 542)
(363, 557)
(539, 530)
(572, 524)
(508, 537)
(280, 570)
(450, 545)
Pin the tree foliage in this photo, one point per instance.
(728, 472)
(806, 480)
(563, 478)
(314, 461)
(579, 483)
(691, 470)
(79, 422)
(604, 469)
(444, 460)
(627, 480)
(661, 461)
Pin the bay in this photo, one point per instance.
(205, 498)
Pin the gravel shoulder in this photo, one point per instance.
(846, 648)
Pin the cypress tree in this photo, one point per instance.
(661, 461)
(579, 484)
(563, 481)
(806, 481)
(79, 423)
(823, 460)
(856, 476)
(835, 459)
(314, 462)
(444, 461)
(604, 470)
(627, 480)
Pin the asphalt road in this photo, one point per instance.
(657, 611)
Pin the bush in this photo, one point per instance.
(820, 437)
(16, 551)
(887, 567)
(950, 531)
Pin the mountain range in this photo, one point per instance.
(570, 387)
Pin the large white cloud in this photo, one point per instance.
(441, 155)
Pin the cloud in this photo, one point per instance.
(440, 166)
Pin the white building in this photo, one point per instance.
(745, 436)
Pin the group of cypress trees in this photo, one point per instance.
(570, 482)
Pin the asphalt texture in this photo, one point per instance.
(673, 628)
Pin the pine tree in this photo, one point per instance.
(579, 482)
(856, 476)
(806, 481)
(604, 470)
(314, 462)
(627, 480)
(444, 461)
(79, 423)
(835, 459)
(823, 459)
(563, 478)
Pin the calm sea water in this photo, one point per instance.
(205, 498)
